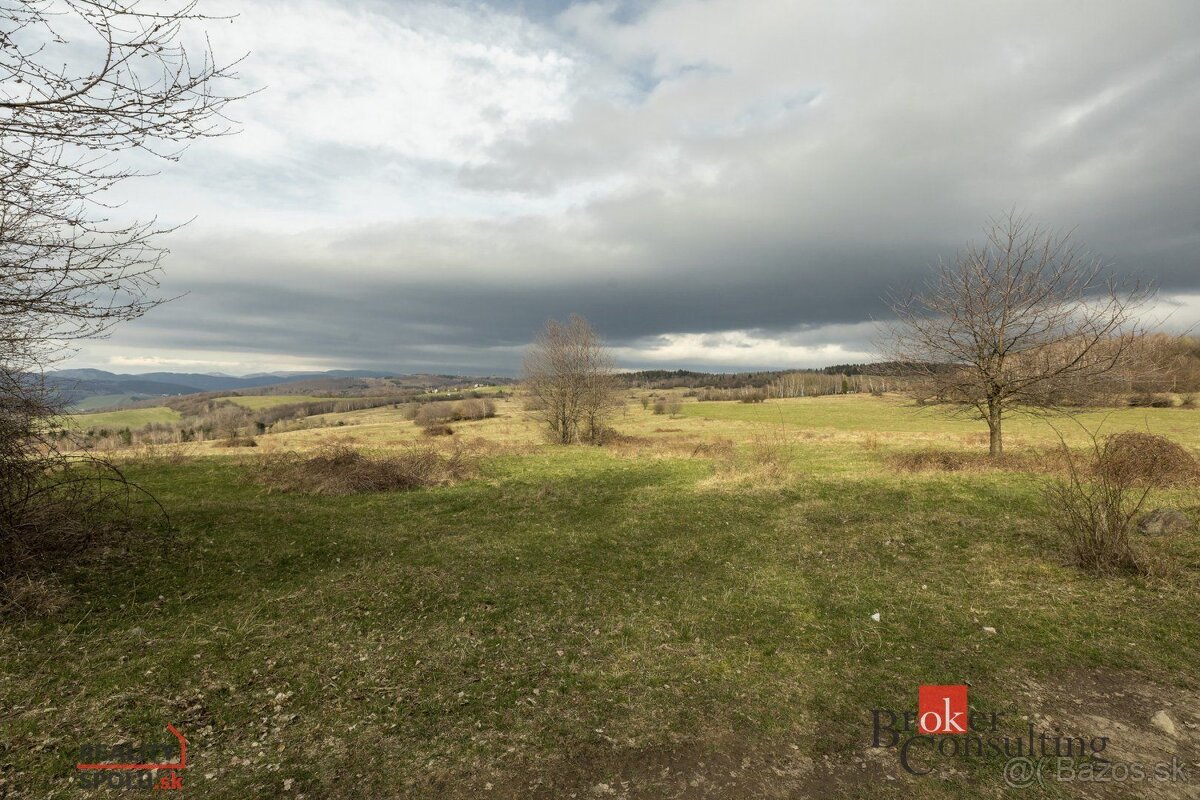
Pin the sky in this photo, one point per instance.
(714, 184)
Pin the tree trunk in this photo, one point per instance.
(995, 443)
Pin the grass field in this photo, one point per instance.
(126, 418)
(257, 402)
(102, 401)
(630, 621)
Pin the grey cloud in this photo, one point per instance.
(777, 176)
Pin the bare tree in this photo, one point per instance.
(1024, 320)
(81, 81)
(568, 374)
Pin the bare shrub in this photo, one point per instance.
(439, 413)
(928, 460)
(1150, 400)
(613, 438)
(439, 430)
(48, 518)
(481, 408)
(767, 457)
(237, 441)
(769, 450)
(756, 396)
(660, 406)
(154, 454)
(764, 464)
(721, 449)
(341, 470)
(1099, 498)
(1143, 459)
(1187, 400)
(936, 460)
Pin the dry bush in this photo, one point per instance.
(475, 409)
(763, 465)
(870, 442)
(438, 413)
(668, 405)
(237, 441)
(929, 460)
(1187, 400)
(531, 403)
(1143, 459)
(624, 444)
(764, 462)
(935, 460)
(769, 451)
(721, 449)
(1150, 400)
(63, 513)
(340, 470)
(442, 412)
(1097, 501)
(439, 430)
(154, 455)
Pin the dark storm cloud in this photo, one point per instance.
(682, 169)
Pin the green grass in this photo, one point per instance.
(894, 415)
(573, 618)
(102, 401)
(258, 402)
(127, 418)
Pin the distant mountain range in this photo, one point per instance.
(90, 389)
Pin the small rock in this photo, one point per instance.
(875, 616)
(989, 630)
(1163, 723)
(1164, 520)
(287, 784)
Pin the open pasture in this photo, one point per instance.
(675, 614)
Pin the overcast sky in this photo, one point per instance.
(716, 184)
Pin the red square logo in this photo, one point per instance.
(942, 709)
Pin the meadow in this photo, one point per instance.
(257, 402)
(710, 606)
(124, 418)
